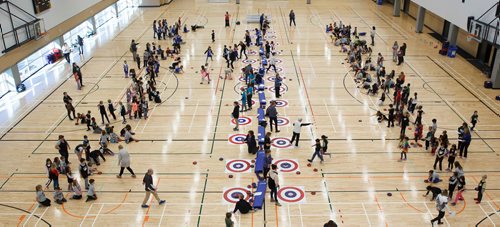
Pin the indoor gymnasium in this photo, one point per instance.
(250, 113)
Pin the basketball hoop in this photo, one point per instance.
(473, 37)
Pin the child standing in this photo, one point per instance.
(58, 196)
(418, 133)
(111, 109)
(123, 112)
(209, 54)
(474, 120)
(53, 176)
(91, 191)
(204, 74)
(69, 176)
(404, 145)
(434, 145)
(85, 172)
(77, 190)
(452, 154)
(452, 184)
(213, 36)
(228, 74)
(40, 196)
(62, 165)
(440, 156)
(125, 68)
(243, 100)
(481, 187)
(135, 108)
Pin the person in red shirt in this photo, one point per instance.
(226, 18)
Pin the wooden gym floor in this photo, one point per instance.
(193, 124)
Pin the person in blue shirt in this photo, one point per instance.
(243, 100)
(249, 96)
(277, 85)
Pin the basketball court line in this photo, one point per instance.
(487, 215)
(31, 215)
(40, 217)
(366, 214)
(446, 101)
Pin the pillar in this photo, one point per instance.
(237, 1)
(308, 1)
(495, 72)
(116, 9)
(17, 76)
(61, 40)
(452, 34)
(420, 19)
(397, 8)
(94, 26)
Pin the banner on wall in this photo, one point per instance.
(41, 5)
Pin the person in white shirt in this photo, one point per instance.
(296, 131)
(124, 161)
(441, 206)
(274, 183)
(271, 63)
(66, 51)
(372, 35)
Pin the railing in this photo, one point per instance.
(32, 27)
(486, 30)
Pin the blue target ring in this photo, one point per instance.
(242, 120)
(237, 139)
(231, 194)
(281, 142)
(282, 121)
(281, 103)
(249, 61)
(273, 89)
(287, 165)
(291, 194)
(237, 166)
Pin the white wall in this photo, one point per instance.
(457, 12)
(61, 10)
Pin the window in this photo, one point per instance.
(35, 61)
(122, 5)
(82, 30)
(104, 16)
(6, 82)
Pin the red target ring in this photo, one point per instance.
(287, 165)
(282, 121)
(242, 120)
(291, 194)
(281, 103)
(237, 139)
(237, 165)
(281, 142)
(273, 89)
(230, 195)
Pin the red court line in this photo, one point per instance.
(307, 94)
(406, 202)
(277, 219)
(24, 215)
(146, 217)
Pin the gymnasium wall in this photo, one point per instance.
(457, 11)
(60, 11)
(436, 23)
